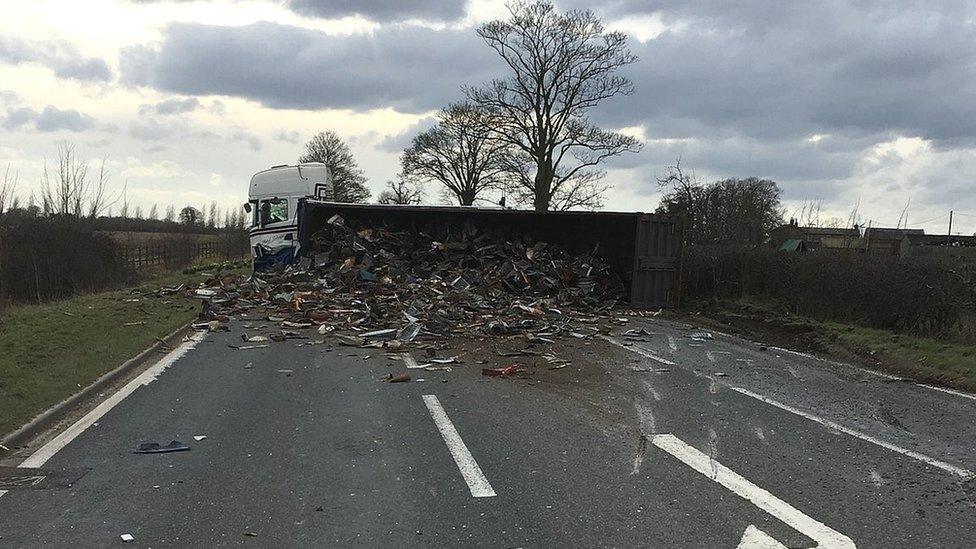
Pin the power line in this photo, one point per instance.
(936, 218)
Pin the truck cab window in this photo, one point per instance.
(275, 210)
(255, 216)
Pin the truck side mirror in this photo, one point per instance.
(247, 207)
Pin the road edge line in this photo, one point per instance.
(917, 456)
(56, 444)
(48, 418)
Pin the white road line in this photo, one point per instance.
(960, 471)
(950, 391)
(882, 375)
(53, 446)
(956, 470)
(826, 537)
(754, 538)
(477, 483)
(638, 350)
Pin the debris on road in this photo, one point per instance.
(370, 286)
(699, 336)
(246, 347)
(397, 378)
(500, 372)
(198, 438)
(126, 538)
(156, 448)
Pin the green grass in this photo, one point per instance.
(49, 352)
(925, 359)
(946, 363)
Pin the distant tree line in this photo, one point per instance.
(70, 189)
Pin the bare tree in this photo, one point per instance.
(213, 215)
(68, 191)
(401, 191)
(124, 207)
(138, 213)
(562, 65)
(8, 189)
(99, 198)
(459, 153)
(153, 212)
(349, 183)
(170, 213)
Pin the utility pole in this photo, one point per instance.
(949, 236)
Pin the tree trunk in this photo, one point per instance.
(543, 186)
(467, 197)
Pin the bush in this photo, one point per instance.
(923, 296)
(55, 257)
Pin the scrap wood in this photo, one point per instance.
(501, 372)
(396, 289)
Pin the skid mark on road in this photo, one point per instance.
(826, 537)
(714, 385)
(476, 480)
(46, 452)
(633, 348)
(960, 471)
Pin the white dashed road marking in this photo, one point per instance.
(826, 537)
(477, 483)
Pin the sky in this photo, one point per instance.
(843, 103)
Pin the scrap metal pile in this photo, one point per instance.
(383, 287)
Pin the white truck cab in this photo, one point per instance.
(273, 197)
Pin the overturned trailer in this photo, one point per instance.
(643, 249)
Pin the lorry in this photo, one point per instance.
(289, 205)
(273, 199)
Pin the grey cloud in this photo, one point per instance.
(171, 106)
(253, 141)
(287, 136)
(53, 119)
(18, 117)
(810, 67)
(9, 97)
(152, 149)
(408, 68)
(177, 106)
(150, 130)
(396, 143)
(62, 58)
(50, 119)
(382, 10)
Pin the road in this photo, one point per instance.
(655, 441)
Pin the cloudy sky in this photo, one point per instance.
(841, 102)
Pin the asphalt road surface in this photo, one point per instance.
(659, 440)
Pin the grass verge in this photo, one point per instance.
(50, 351)
(927, 360)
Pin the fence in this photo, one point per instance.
(173, 254)
(48, 258)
